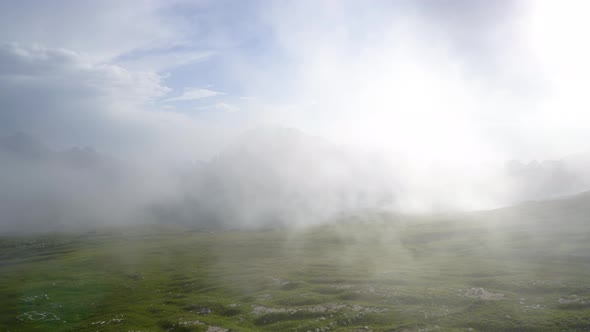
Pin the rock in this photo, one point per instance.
(33, 316)
(571, 299)
(482, 294)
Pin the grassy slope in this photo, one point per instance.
(383, 274)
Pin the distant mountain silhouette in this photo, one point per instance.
(268, 177)
(274, 175)
(563, 214)
(42, 189)
(21, 145)
(548, 179)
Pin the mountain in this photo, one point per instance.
(21, 145)
(274, 176)
(21, 148)
(268, 177)
(45, 189)
(549, 178)
(563, 213)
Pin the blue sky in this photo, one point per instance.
(436, 81)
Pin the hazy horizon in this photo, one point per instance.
(419, 106)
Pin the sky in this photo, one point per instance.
(433, 82)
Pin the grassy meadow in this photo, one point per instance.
(381, 273)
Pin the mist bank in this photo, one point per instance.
(268, 177)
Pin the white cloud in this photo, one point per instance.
(195, 94)
(68, 77)
(221, 106)
(398, 76)
(67, 99)
(166, 60)
(399, 79)
(102, 29)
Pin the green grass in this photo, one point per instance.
(387, 273)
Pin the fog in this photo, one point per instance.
(254, 114)
(270, 177)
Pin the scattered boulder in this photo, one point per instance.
(37, 316)
(480, 293)
(572, 299)
(199, 309)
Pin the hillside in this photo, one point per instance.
(371, 272)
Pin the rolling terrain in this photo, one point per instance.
(524, 268)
